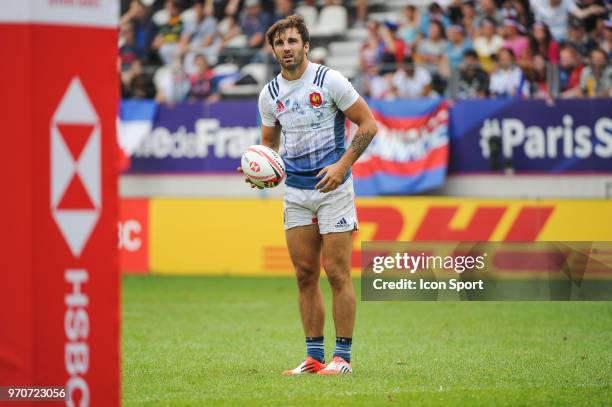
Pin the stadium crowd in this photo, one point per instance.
(175, 50)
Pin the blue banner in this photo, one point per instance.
(531, 136)
(409, 154)
(197, 137)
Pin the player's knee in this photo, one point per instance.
(307, 277)
(335, 265)
(339, 280)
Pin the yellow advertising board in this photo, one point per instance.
(245, 236)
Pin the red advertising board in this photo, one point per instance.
(134, 235)
(59, 301)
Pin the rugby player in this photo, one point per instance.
(307, 104)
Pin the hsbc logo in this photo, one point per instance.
(76, 193)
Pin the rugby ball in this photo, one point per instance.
(263, 166)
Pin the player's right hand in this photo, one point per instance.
(247, 180)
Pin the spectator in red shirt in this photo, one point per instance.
(392, 44)
(542, 43)
(570, 69)
(201, 82)
(537, 78)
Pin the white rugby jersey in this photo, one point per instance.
(310, 112)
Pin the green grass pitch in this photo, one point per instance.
(199, 341)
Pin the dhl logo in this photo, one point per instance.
(486, 222)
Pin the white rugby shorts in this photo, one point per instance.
(333, 211)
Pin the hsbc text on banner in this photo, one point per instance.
(59, 298)
(410, 151)
(134, 235)
(531, 136)
(196, 137)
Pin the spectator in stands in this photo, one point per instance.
(588, 12)
(508, 79)
(514, 38)
(570, 69)
(458, 44)
(128, 52)
(392, 44)
(224, 8)
(473, 80)
(381, 86)
(200, 36)
(578, 37)
(171, 83)
(253, 23)
(606, 42)
(231, 9)
(596, 78)
(282, 9)
(141, 87)
(538, 78)
(371, 50)
(453, 11)
(522, 12)
(488, 10)
(434, 13)
(409, 26)
(138, 16)
(228, 29)
(167, 41)
(201, 82)
(248, 30)
(542, 43)
(487, 44)
(553, 13)
(432, 49)
(508, 11)
(411, 81)
(598, 34)
(468, 18)
(130, 65)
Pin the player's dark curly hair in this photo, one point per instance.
(293, 21)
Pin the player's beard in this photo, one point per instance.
(294, 62)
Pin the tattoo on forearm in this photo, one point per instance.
(361, 141)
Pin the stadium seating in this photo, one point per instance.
(340, 38)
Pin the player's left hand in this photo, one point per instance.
(248, 181)
(333, 176)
